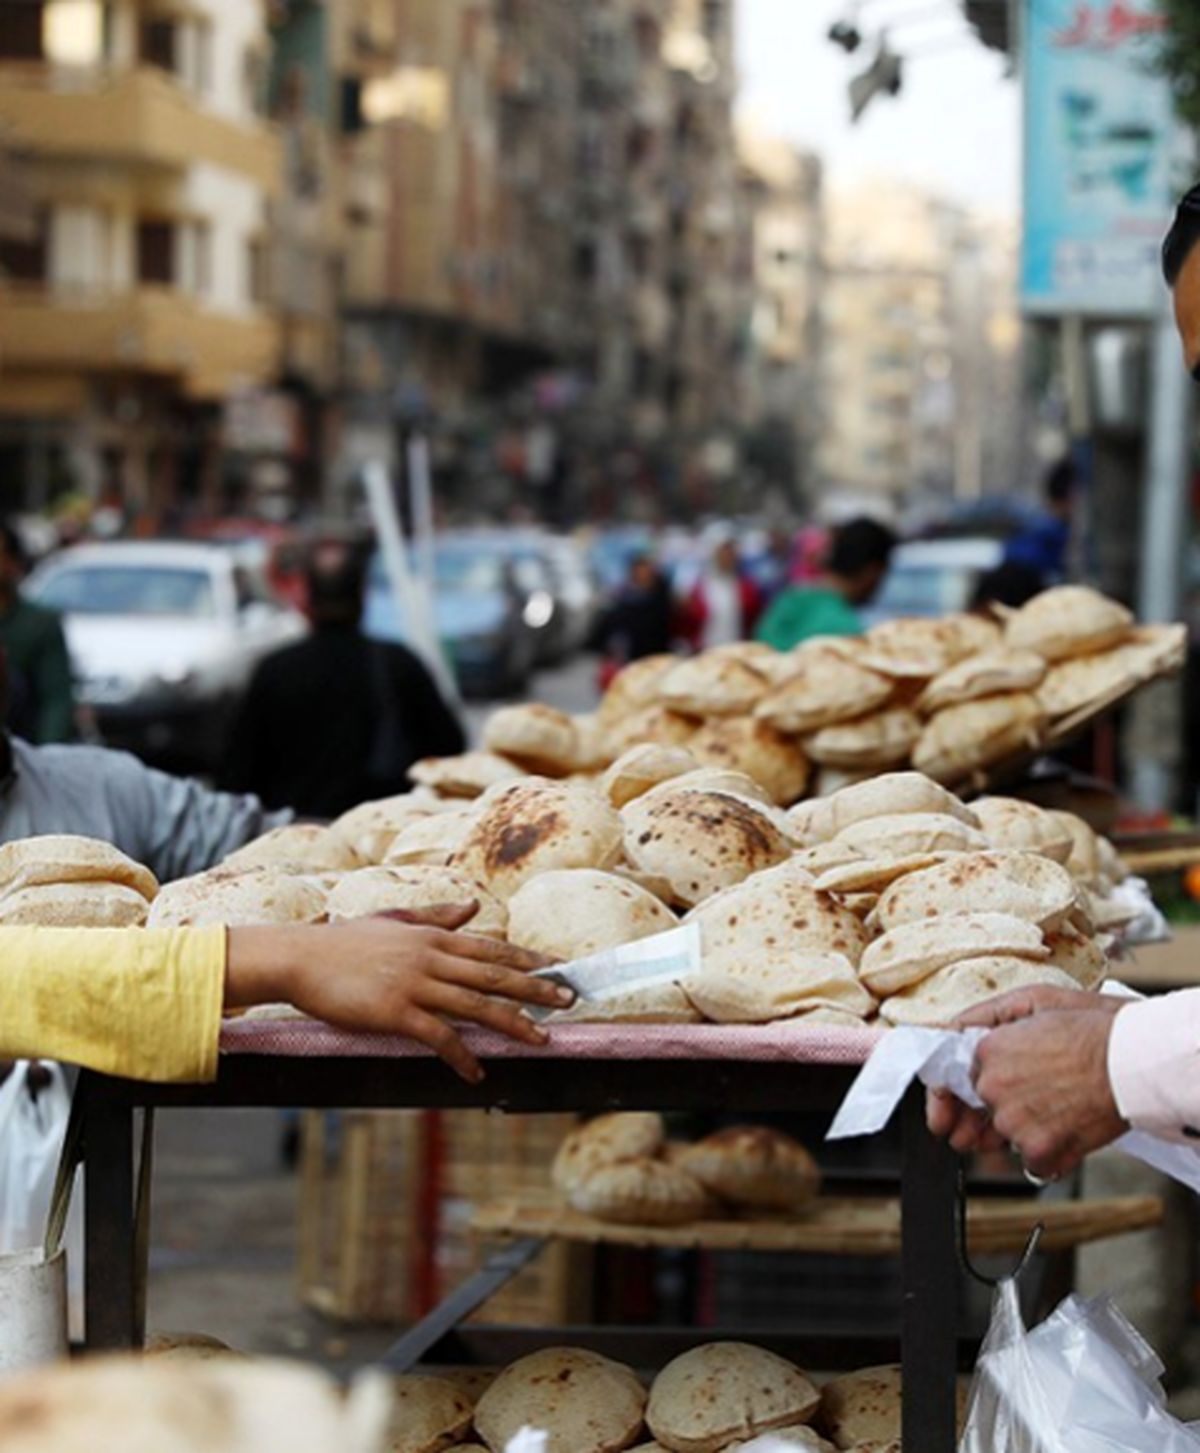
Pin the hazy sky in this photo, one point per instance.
(954, 128)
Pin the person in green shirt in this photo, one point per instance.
(40, 705)
(859, 553)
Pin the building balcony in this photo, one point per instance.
(147, 330)
(140, 116)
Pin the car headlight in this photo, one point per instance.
(538, 610)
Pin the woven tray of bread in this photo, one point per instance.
(833, 1225)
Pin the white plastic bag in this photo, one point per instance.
(1084, 1381)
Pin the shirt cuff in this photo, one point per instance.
(1154, 1065)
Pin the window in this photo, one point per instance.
(140, 590)
(21, 32)
(156, 43)
(23, 259)
(156, 252)
(258, 271)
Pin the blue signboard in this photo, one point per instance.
(1101, 157)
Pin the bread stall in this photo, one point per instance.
(805, 811)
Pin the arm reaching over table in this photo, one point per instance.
(147, 1004)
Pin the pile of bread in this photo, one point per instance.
(622, 1168)
(951, 696)
(60, 881)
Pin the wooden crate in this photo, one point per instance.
(387, 1204)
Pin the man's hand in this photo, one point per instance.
(1031, 1075)
(411, 977)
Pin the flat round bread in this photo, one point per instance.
(776, 914)
(972, 634)
(1009, 822)
(175, 1345)
(1078, 955)
(534, 826)
(1080, 682)
(990, 674)
(641, 768)
(591, 743)
(937, 1001)
(1068, 620)
(900, 834)
(431, 840)
(745, 744)
(800, 1438)
(428, 1415)
(700, 842)
(715, 779)
(762, 992)
(584, 1403)
(74, 905)
(912, 952)
(823, 690)
(374, 891)
(723, 1392)
(298, 848)
(1024, 885)
(1085, 861)
(873, 875)
(539, 738)
(824, 1018)
(257, 896)
(63, 858)
(896, 792)
(634, 687)
(606, 1140)
(882, 740)
(467, 775)
(713, 684)
(964, 739)
(373, 826)
(863, 1409)
(751, 1166)
(656, 724)
(641, 1192)
(660, 1003)
(913, 648)
(569, 913)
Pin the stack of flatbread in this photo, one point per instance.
(58, 881)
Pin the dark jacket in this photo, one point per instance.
(335, 720)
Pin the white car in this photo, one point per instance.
(933, 577)
(163, 640)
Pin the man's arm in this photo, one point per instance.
(432, 728)
(53, 687)
(1154, 1065)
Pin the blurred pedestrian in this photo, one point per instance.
(336, 719)
(1010, 584)
(724, 604)
(1043, 544)
(40, 703)
(855, 567)
(638, 621)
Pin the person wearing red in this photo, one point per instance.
(724, 605)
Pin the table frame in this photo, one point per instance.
(929, 1268)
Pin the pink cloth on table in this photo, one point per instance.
(823, 1044)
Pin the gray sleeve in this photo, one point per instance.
(182, 826)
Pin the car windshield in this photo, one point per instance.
(137, 590)
(468, 570)
(923, 590)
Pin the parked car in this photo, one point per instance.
(931, 577)
(163, 639)
(479, 610)
(575, 589)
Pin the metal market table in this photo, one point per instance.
(587, 1068)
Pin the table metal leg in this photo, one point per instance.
(110, 1318)
(929, 1316)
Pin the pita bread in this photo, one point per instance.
(374, 891)
(885, 796)
(584, 1403)
(902, 833)
(606, 1140)
(713, 684)
(74, 905)
(534, 826)
(1113, 869)
(715, 779)
(863, 1409)
(829, 780)
(753, 992)
(964, 739)
(1024, 885)
(916, 648)
(747, 745)
(723, 1392)
(641, 1192)
(62, 858)
(428, 1415)
(824, 1018)
(937, 1001)
(641, 768)
(1084, 861)
(749, 1165)
(799, 1438)
(257, 896)
(1009, 822)
(634, 687)
(1068, 620)
(373, 826)
(1078, 955)
(570, 913)
(972, 634)
(298, 848)
(471, 1381)
(176, 1345)
(1081, 682)
(823, 690)
(656, 724)
(468, 775)
(825, 857)
(432, 840)
(539, 738)
(872, 875)
(991, 674)
(913, 951)
(659, 1003)
(700, 842)
(592, 754)
(882, 740)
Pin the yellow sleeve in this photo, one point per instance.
(141, 1003)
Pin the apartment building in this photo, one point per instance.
(136, 304)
